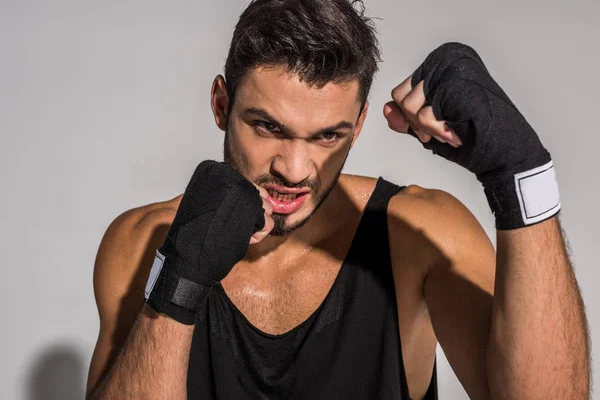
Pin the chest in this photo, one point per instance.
(275, 303)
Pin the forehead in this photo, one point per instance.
(289, 99)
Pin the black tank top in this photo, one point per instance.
(349, 348)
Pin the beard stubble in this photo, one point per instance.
(281, 226)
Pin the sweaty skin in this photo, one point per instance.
(276, 300)
(283, 279)
(494, 318)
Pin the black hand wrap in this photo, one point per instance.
(499, 146)
(219, 212)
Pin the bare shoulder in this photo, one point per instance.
(121, 269)
(419, 205)
(419, 214)
(435, 234)
(126, 240)
(437, 215)
(357, 188)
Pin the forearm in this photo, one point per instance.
(153, 363)
(539, 346)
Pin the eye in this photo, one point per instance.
(329, 137)
(267, 126)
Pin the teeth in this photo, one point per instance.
(282, 196)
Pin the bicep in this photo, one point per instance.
(460, 308)
(459, 264)
(458, 291)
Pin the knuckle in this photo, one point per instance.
(405, 104)
(423, 117)
(396, 96)
(427, 119)
(415, 124)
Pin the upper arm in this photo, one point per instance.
(121, 269)
(458, 283)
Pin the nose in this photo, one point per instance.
(292, 164)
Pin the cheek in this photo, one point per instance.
(249, 148)
(331, 161)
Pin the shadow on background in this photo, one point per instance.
(57, 373)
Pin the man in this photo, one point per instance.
(278, 277)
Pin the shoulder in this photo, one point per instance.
(430, 209)
(125, 255)
(357, 183)
(126, 239)
(436, 223)
(357, 188)
(421, 208)
(131, 230)
(146, 216)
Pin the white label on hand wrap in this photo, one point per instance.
(537, 191)
(159, 260)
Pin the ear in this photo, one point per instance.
(359, 123)
(219, 101)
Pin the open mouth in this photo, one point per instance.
(286, 201)
(283, 196)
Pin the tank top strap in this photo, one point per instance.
(371, 238)
(372, 247)
(383, 192)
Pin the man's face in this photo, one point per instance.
(292, 139)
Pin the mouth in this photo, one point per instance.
(284, 200)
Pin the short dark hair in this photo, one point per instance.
(320, 40)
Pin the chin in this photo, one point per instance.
(284, 225)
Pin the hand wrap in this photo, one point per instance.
(499, 146)
(219, 212)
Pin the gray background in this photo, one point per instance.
(104, 106)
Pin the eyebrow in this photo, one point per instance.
(288, 131)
